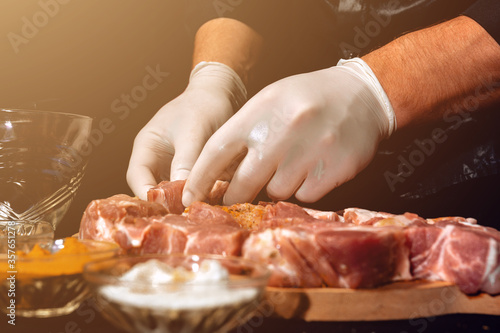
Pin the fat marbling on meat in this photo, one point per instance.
(465, 254)
(102, 218)
(169, 194)
(304, 247)
(332, 254)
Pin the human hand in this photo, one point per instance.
(167, 147)
(305, 134)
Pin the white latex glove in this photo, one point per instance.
(168, 146)
(305, 134)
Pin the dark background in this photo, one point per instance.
(89, 54)
(86, 320)
(86, 56)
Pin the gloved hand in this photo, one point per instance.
(168, 146)
(305, 134)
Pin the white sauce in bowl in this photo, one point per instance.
(206, 287)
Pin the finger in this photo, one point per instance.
(324, 177)
(290, 175)
(185, 157)
(140, 179)
(144, 168)
(215, 159)
(227, 175)
(250, 177)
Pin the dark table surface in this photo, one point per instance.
(87, 319)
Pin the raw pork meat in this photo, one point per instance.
(205, 214)
(303, 247)
(363, 216)
(204, 229)
(272, 215)
(145, 227)
(169, 194)
(330, 254)
(247, 215)
(166, 236)
(103, 217)
(360, 216)
(324, 215)
(465, 254)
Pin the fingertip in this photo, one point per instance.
(196, 189)
(277, 191)
(309, 194)
(143, 195)
(187, 198)
(227, 201)
(142, 191)
(140, 187)
(232, 197)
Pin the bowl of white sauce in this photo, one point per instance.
(177, 293)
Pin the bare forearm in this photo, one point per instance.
(445, 68)
(230, 42)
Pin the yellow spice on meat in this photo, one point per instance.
(247, 215)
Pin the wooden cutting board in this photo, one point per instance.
(401, 300)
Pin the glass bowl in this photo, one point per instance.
(43, 156)
(39, 229)
(47, 280)
(25, 234)
(176, 293)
